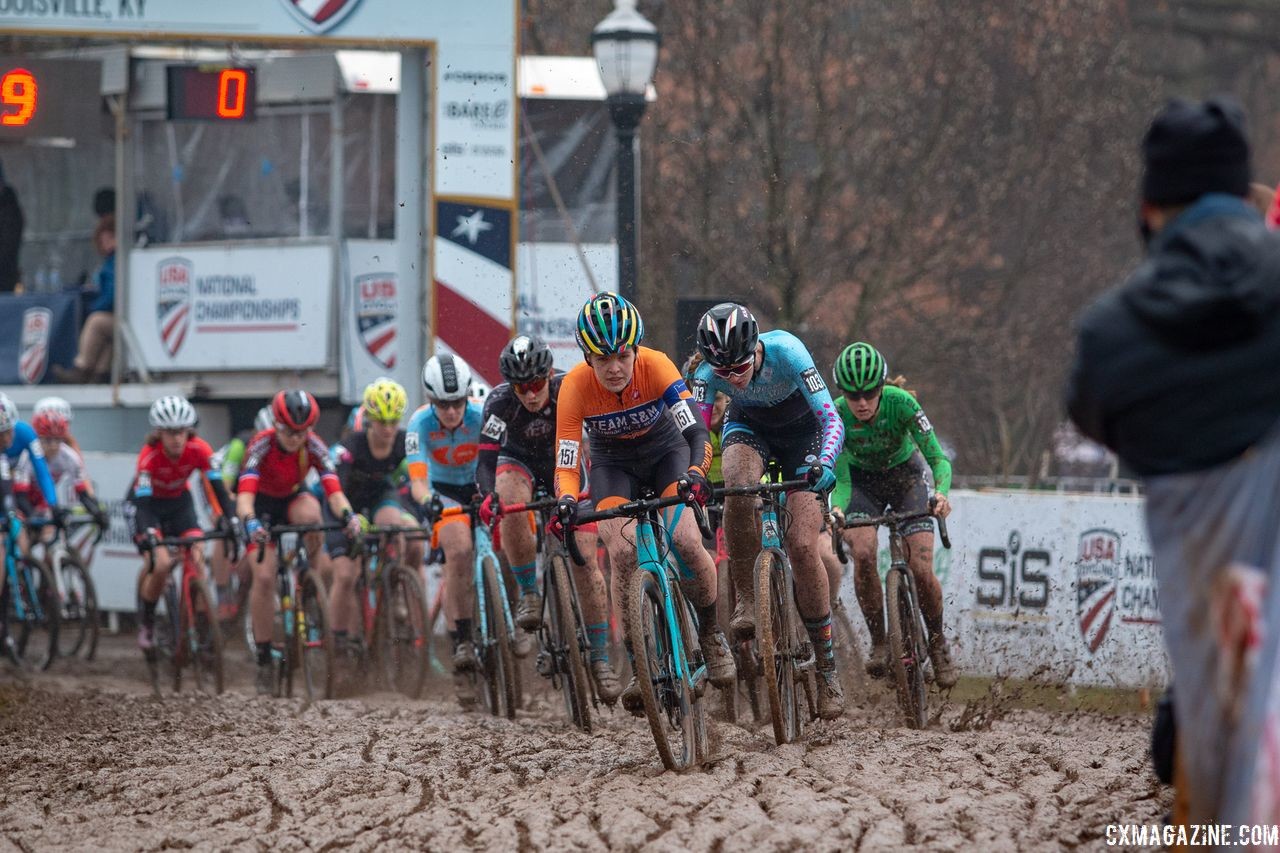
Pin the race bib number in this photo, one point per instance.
(683, 415)
(567, 455)
(812, 380)
(699, 389)
(411, 443)
(923, 422)
(494, 428)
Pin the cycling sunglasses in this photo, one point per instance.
(862, 395)
(533, 386)
(450, 404)
(735, 370)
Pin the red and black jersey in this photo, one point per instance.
(159, 476)
(269, 471)
(162, 479)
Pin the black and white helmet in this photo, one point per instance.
(524, 359)
(446, 377)
(8, 413)
(172, 412)
(727, 335)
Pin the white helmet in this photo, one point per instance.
(8, 413)
(446, 377)
(172, 412)
(264, 419)
(56, 405)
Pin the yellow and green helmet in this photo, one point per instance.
(607, 324)
(385, 400)
(860, 368)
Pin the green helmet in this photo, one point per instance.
(860, 368)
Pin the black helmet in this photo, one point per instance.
(727, 335)
(524, 358)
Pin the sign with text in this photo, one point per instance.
(218, 308)
(36, 331)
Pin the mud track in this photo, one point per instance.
(89, 760)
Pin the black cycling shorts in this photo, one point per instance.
(905, 487)
(271, 510)
(790, 444)
(176, 517)
(611, 481)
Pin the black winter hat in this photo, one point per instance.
(1193, 149)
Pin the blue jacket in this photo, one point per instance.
(24, 439)
(105, 281)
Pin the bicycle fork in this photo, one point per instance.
(646, 549)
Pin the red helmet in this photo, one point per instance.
(50, 424)
(295, 410)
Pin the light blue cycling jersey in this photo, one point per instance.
(24, 439)
(441, 455)
(783, 390)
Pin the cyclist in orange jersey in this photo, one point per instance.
(641, 433)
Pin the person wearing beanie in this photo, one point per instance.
(1176, 371)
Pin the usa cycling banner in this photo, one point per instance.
(378, 316)
(473, 287)
(214, 308)
(36, 331)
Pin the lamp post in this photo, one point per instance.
(626, 50)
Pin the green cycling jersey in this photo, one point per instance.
(888, 439)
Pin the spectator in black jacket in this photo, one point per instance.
(11, 225)
(1178, 371)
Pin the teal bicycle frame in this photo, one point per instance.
(673, 683)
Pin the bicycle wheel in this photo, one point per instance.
(78, 631)
(402, 639)
(668, 704)
(38, 616)
(565, 636)
(312, 638)
(201, 638)
(165, 638)
(500, 661)
(906, 647)
(776, 638)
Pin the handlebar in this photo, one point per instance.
(891, 519)
(759, 489)
(635, 509)
(275, 531)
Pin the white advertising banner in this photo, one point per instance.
(1058, 587)
(481, 22)
(378, 319)
(475, 115)
(228, 308)
(552, 284)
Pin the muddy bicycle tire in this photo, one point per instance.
(78, 630)
(566, 638)
(651, 645)
(402, 643)
(776, 640)
(37, 639)
(311, 648)
(907, 650)
(497, 673)
(199, 646)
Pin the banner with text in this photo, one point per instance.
(224, 308)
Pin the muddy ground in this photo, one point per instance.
(90, 760)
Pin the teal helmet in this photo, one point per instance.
(860, 368)
(607, 324)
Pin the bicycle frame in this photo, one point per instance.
(482, 542)
(13, 531)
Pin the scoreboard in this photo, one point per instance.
(210, 93)
(49, 97)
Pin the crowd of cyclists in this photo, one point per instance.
(623, 424)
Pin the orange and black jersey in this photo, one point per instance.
(650, 416)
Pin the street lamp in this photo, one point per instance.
(626, 49)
